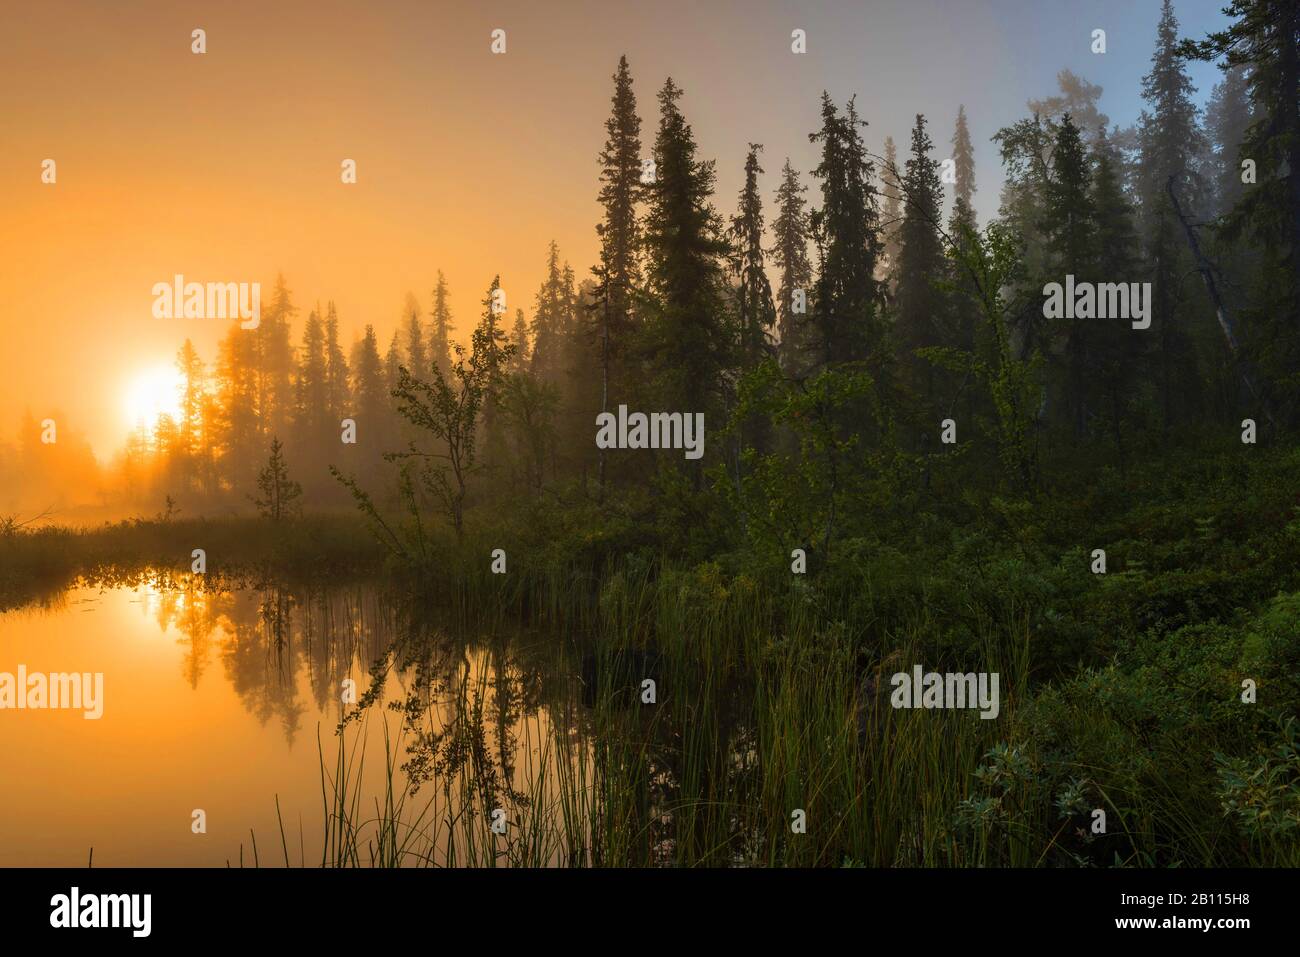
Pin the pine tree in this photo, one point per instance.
(921, 259)
(1171, 141)
(279, 496)
(191, 439)
(239, 431)
(685, 249)
(963, 155)
(312, 416)
(1069, 226)
(755, 311)
(415, 354)
(620, 176)
(1228, 117)
(790, 255)
(440, 328)
(519, 339)
(618, 272)
(547, 360)
(339, 398)
(962, 223)
(846, 323)
(370, 396)
(1118, 354)
(275, 363)
(393, 360)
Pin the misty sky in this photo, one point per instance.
(225, 166)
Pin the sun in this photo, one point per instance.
(153, 393)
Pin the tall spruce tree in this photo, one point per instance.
(846, 322)
(519, 339)
(962, 224)
(370, 396)
(1069, 227)
(963, 155)
(190, 439)
(312, 424)
(921, 307)
(440, 328)
(1171, 140)
(336, 369)
(548, 328)
(416, 357)
(1118, 352)
(275, 363)
(1228, 118)
(619, 272)
(685, 252)
(755, 311)
(790, 255)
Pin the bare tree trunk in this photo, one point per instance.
(1204, 267)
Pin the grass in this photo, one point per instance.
(761, 711)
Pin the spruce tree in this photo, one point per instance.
(312, 413)
(519, 339)
(755, 311)
(547, 360)
(275, 362)
(1170, 142)
(416, 357)
(790, 255)
(440, 328)
(921, 261)
(370, 397)
(964, 303)
(685, 252)
(336, 368)
(963, 155)
(191, 440)
(846, 322)
(1118, 352)
(1069, 226)
(1228, 118)
(618, 273)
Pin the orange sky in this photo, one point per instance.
(225, 166)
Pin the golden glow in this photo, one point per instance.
(151, 394)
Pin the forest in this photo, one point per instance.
(915, 454)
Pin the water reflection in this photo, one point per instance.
(468, 742)
(194, 720)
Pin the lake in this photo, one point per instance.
(227, 702)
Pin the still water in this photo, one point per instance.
(228, 701)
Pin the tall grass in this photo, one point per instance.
(761, 711)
